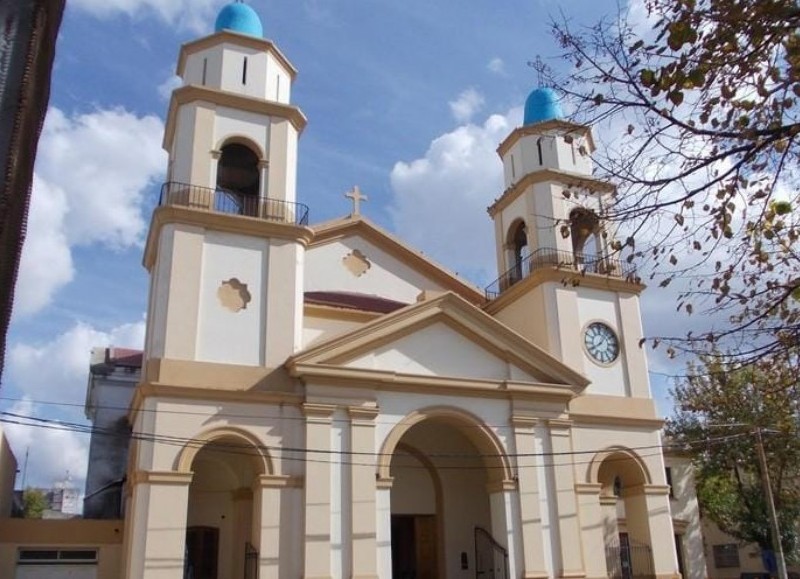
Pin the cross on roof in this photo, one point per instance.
(357, 197)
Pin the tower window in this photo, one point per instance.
(278, 87)
(244, 71)
(518, 243)
(539, 150)
(584, 226)
(237, 171)
(513, 168)
(205, 71)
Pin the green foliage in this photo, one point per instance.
(703, 101)
(718, 406)
(34, 503)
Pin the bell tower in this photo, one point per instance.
(226, 244)
(559, 283)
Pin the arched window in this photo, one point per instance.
(237, 170)
(518, 243)
(584, 227)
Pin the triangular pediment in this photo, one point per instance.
(355, 255)
(439, 339)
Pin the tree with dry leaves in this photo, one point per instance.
(698, 107)
(718, 406)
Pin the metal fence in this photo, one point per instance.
(557, 258)
(629, 561)
(225, 201)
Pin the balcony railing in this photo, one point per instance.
(225, 201)
(556, 258)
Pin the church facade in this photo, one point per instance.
(323, 401)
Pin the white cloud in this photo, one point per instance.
(170, 84)
(195, 15)
(466, 105)
(52, 452)
(440, 199)
(57, 371)
(92, 172)
(46, 261)
(497, 66)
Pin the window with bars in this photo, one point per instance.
(726, 556)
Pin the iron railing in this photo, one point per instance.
(560, 259)
(491, 558)
(629, 560)
(226, 201)
(250, 562)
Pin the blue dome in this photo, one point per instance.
(542, 105)
(238, 17)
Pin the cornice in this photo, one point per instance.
(260, 44)
(238, 224)
(545, 176)
(330, 375)
(564, 127)
(215, 97)
(566, 277)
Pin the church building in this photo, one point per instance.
(322, 401)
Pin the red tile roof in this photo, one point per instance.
(124, 357)
(354, 301)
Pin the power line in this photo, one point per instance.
(287, 453)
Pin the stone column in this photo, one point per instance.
(267, 493)
(363, 508)
(592, 527)
(263, 169)
(570, 563)
(318, 491)
(529, 495)
(158, 531)
(242, 527)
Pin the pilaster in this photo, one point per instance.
(318, 491)
(591, 511)
(570, 564)
(529, 496)
(363, 506)
(160, 501)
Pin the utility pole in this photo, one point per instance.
(773, 516)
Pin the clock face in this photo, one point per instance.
(601, 342)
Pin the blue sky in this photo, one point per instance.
(408, 100)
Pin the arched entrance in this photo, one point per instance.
(519, 251)
(220, 529)
(446, 466)
(626, 521)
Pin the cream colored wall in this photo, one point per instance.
(387, 276)
(586, 437)
(105, 536)
(530, 317)
(282, 182)
(438, 350)
(279, 82)
(316, 329)
(284, 308)
(229, 122)
(8, 475)
(223, 335)
(685, 512)
(232, 67)
(274, 425)
(601, 306)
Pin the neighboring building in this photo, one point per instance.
(28, 31)
(8, 476)
(686, 521)
(113, 375)
(62, 500)
(324, 401)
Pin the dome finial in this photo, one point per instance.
(241, 18)
(542, 103)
